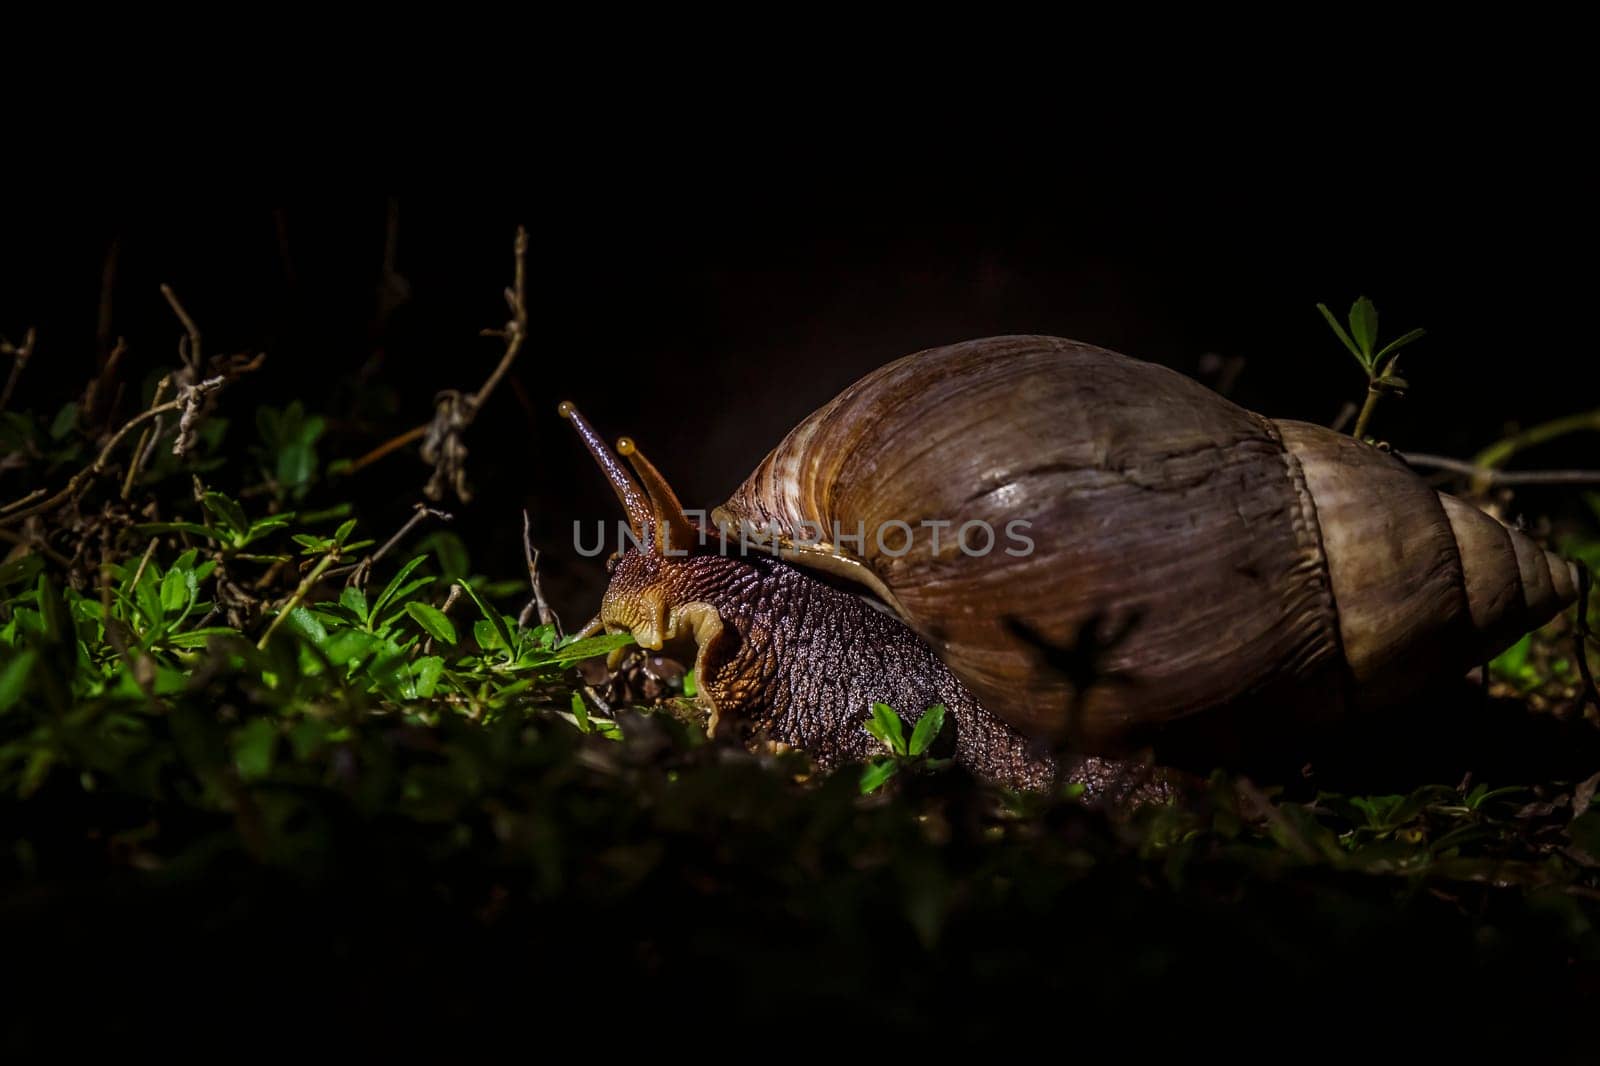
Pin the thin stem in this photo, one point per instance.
(1581, 636)
(1371, 404)
(24, 501)
(546, 615)
(20, 355)
(299, 595)
(144, 443)
(393, 444)
(192, 358)
(517, 328)
(362, 570)
(144, 563)
(38, 546)
(1496, 454)
(114, 635)
(1491, 476)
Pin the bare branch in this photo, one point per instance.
(94, 397)
(192, 354)
(391, 445)
(547, 617)
(1489, 475)
(147, 441)
(516, 329)
(363, 570)
(20, 354)
(108, 285)
(35, 545)
(454, 411)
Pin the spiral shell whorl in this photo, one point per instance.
(1424, 582)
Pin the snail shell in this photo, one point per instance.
(1188, 554)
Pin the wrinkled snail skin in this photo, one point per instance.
(1201, 579)
(794, 659)
(799, 661)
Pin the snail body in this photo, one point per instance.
(1095, 551)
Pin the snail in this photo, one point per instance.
(1069, 549)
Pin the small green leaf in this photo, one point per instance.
(928, 727)
(65, 422)
(392, 589)
(451, 552)
(302, 621)
(1398, 343)
(253, 748)
(147, 594)
(690, 685)
(487, 637)
(175, 590)
(262, 526)
(492, 616)
(1364, 327)
(350, 645)
(153, 528)
(296, 465)
(342, 534)
(427, 671)
(14, 679)
(404, 592)
(580, 711)
(197, 638)
(53, 617)
(1344, 337)
(433, 621)
(876, 773)
(311, 518)
(1512, 665)
(885, 724)
(353, 599)
(19, 571)
(231, 513)
(588, 648)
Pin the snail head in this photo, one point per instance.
(668, 590)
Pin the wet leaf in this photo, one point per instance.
(877, 773)
(927, 729)
(433, 621)
(885, 724)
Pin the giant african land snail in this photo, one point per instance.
(1200, 578)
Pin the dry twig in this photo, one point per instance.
(454, 411)
(1488, 475)
(20, 354)
(443, 445)
(360, 572)
(547, 617)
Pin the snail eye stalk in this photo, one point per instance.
(673, 533)
(633, 501)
